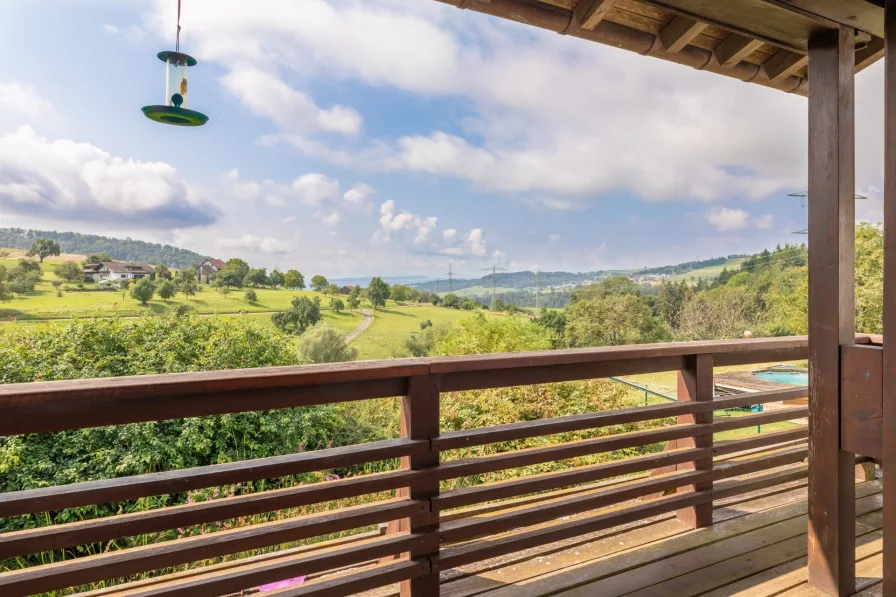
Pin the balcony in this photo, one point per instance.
(704, 515)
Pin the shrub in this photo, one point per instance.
(323, 344)
(251, 297)
(143, 290)
(425, 324)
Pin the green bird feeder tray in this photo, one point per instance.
(175, 111)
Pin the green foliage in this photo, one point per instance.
(451, 301)
(318, 283)
(468, 304)
(337, 305)
(97, 257)
(323, 344)
(276, 278)
(187, 285)
(27, 265)
(483, 335)
(43, 248)
(498, 305)
(257, 277)
(109, 248)
(5, 292)
(426, 323)
(377, 292)
(68, 271)
(869, 278)
(143, 290)
(354, 300)
(23, 278)
(237, 267)
(166, 289)
(400, 293)
(671, 300)
(424, 343)
(554, 321)
(162, 272)
(294, 280)
(610, 313)
(303, 314)
(250, 296)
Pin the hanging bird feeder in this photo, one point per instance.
(174, 110)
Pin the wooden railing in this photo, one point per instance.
(434, 535)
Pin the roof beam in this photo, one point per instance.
(783, 64)
(589, 13)
(680, 32)
(871, 53)
(735, 48)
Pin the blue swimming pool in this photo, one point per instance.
(795, 378)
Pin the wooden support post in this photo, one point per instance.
(695, 384)
(889, 348)
(831, 306)
(420, 420)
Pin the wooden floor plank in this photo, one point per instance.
(711, 577)
(662, 555)
(869, 573)
(789, 575)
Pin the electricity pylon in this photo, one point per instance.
(494, 269)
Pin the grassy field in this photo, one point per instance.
(386, 335)
(708, 272)
(45, 302)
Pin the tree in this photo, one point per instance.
(303, 314)
(162, 272)
(450, 301)
(435, 299)
(555, 322)
(276, 278)
(399, 293)
(354, 298)
(166, 289)
(43, 248)
(331, 289)
(377, 292)
(143, 290)
(468, 304)
(26, 265)
(318, 283)
(236, 266)
(670, 301)
(498, 305)
(323, 344)
(294, 280)
(257, 277)
(337, 305)
(5, 293)
(97, 258)
(251, 297)
(612, 320)
(227, 279)
(188, 286)
(68, 271)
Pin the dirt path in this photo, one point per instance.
(368, 319)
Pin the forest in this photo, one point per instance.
(122, 249)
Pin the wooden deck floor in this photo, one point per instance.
(757, 547)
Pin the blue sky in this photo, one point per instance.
(390, 137)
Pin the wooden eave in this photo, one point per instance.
(757, 41)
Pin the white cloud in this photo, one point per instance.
(25, 101)
(477, 242)
(270, 192)
(512, 80)
(254, 244)
(359, 196)
(315, 189)
(554, 238)
(449, 233)
(288, 219)
(724, 219)
(295, 112)
(132, 33)
(332, 219)
(71, 181)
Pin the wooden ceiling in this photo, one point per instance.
(758, 41)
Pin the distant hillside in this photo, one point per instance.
(124, 249)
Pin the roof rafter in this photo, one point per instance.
(680, 32)
(735, 48)
(589, 13)
(783, 64)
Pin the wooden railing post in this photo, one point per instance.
(695, 384)
(420, 420)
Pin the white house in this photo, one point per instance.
(117, 270)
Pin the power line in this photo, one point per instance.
(537, 285)
(494, 269)
(450, 275)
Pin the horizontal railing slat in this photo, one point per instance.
(126, 488)
(763, 440)
(464, 529)
(351, 584)
(554, 480)
(171, 553)
(526, 429)
(764, 418)
(83, 532)
(249, 575)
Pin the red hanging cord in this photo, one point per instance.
(177, 41)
